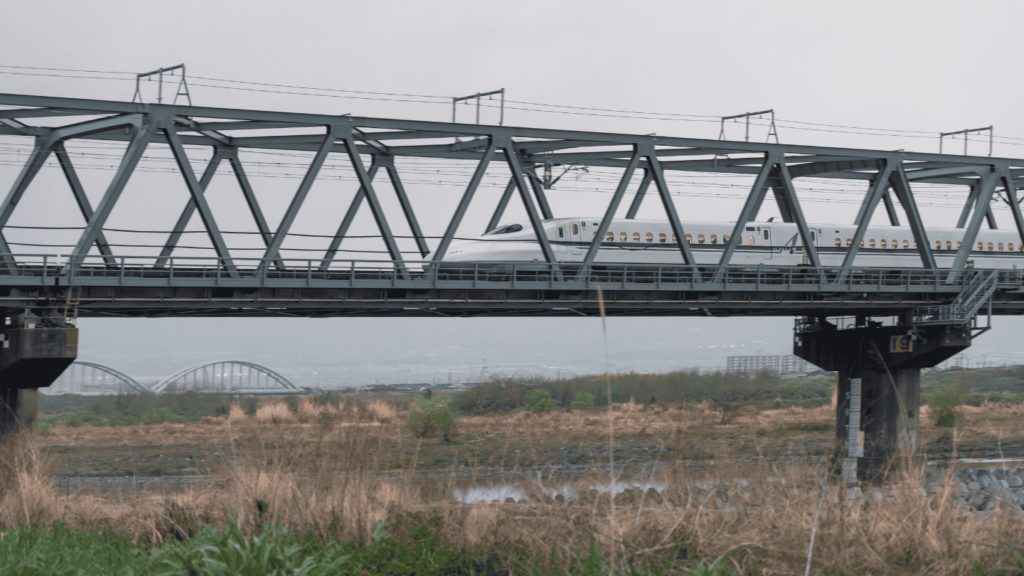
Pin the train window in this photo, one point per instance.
(610, 237)
(839, 243)
(849, 242)
(649, 237)
(700, 238)
(595, 234)
(881, 244)
(938, 245)
(1020, 247)
(1000, 246)
(989, 245)
(871, 243)
(561, 232)
(895, 243)
(575, 228)
(981, 246)
(906, 244)
(622, 236)
(714, 239)
(861, 243)
(750, 239)
(915, 244)
(725, 239)
(661, 237)
(766, 234)
(636, 236)
(957, 244)
(949, 245)
(812, 236)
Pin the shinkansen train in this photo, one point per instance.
(777, 243)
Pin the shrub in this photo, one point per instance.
(44, 427)
(539, 401)
(293, 403)
(428, 414)
(250, 405)
(944, 405)
(583, 400)
(158, 416)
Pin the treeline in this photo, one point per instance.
(764, 390)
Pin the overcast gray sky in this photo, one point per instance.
(870, 74)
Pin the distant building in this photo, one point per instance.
(781, 364)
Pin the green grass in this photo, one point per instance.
(276, 551)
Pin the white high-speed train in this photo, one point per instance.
(777, 243)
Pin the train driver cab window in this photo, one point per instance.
(650, 237)
(990, 246)
(882, 243)
(610, 237)
(714, 239)
(622, 236)
(839, 243)
(871, 243)
(561, 232)
(906, 244)
(661, 237)
(849, 242)
(750, 239)
(636, 236)
(575, 228)
(1000, 246)
(700, 238)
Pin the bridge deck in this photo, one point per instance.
(386, 288)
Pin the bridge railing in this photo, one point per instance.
(48, 270)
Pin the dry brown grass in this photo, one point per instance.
(340, 476)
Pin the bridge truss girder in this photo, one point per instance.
(774, 167)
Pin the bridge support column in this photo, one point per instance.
(33, 353)
(888, 361)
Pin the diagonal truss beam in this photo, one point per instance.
(890, 207)
(250, 196)
(901, 187)
(467, 197)
(36, 160)
(499, 211)
(373, 202)
(969, 204)
(634, 207)
(410, 215)
(199, 199)
(300, 196)
(80, 197)
(132, 155)
(748, 213)
(792, 204)
(986, 188)
(190, 208)
(606, 222)
(538, 191)
(346, 222)
(531, 211)
(867, 209)
(666, 201)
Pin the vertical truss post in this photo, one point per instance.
(372, 201)
(1011, 197)
(502, 204)
(300, 196)
(346, 222)
(524, 192)
(80, 197)
(403, 199)
(793, 205)
(467, 197)
(867, 209)
(901, 187)
(606, 222)
(644, 184)
(754, 200)
(985, 190)
(538, 190)
(143, 134)
(647, 150)
(199, 199)
(190, 208)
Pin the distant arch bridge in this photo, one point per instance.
(220, 376)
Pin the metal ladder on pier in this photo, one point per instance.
(963, 311)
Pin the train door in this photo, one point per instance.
(575, 236)
(766, 237)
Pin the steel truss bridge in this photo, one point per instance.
(218, 376)
(107, 284)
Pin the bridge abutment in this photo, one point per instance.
(34, 351)
(886, 361)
